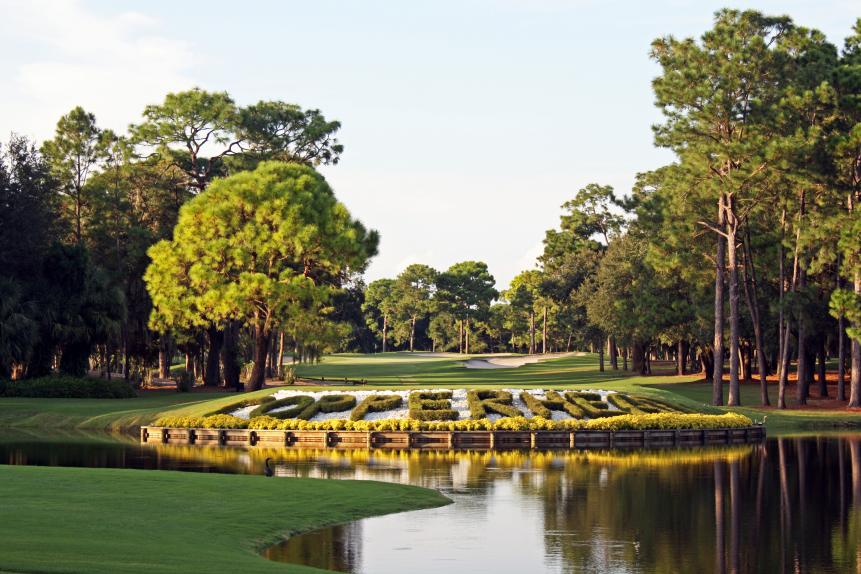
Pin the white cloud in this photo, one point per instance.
(59, 54)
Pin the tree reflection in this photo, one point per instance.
(787, 505)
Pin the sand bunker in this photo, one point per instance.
(513, 362)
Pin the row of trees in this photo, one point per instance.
(79, 214)
(745, 250)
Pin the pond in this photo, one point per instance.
(790, 504)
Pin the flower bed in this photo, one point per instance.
(679, 421)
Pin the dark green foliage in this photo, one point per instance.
(304, 407)
(591, 408)
(484, 402)
(432, 406)
(543, 407)
(336, 403)
(62, 386)
(569, 407)
(226, 410)
(376, 404)
(184, 379)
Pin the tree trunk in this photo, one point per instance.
(163, 357)
(855, 373)
(639, 357)
(720, 255)
(281, 354)
(802, 389)
(732, 260)
(212, 375)
(751, 297)
(601, 358)
(820, 372)
(781, 339)
(681, 355)
(784, 358)
(544, 334)
(841, 344)
(625, 359)
(230, 356)
(412, 332)
(466, 334)
(385, 330)
(261, 348)
(614, 351)
(707, 361)
(459, 336)
(126, 357)
(531, 332)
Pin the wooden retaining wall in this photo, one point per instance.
(451, 439)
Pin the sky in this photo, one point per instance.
(466, 123)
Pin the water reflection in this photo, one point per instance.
(790, 504)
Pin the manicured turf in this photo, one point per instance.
(415, 369)
(112, 414)
(116, 521)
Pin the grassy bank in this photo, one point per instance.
(95, 521)
(95, 414)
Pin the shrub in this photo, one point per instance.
(209, 422)
(592, 409)
(336, 403)
(483, 402)
(227, 409)
(670, 421)
(67, 387)
(572, 409)
(376, 404)
(431, 406)
(543, 407)
(639, 405)
(184, 379)
(304, 407)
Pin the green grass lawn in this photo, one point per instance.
(411, 369)
(112, 521)
(95, 414)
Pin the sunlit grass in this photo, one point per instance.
(115, 521)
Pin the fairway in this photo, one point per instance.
(114, 521)
(420, 369)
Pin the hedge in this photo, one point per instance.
(592, 409)
(376, 404)
(543, 407)
(482, 403)
(431, 406)
(304, 407)
(66, 387)
(226, 410)
(658, 421)
(207, 422)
